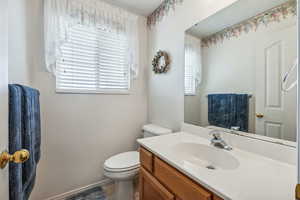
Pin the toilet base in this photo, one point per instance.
(124, 190)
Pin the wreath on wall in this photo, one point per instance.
(161, 62)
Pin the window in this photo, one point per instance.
(93, 60)
(192, 72)
(189, 80)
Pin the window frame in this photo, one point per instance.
(193, 59)
(194, 93)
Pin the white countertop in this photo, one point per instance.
(256, 177)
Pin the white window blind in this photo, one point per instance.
(93, 60)
(189, 76)
(193, 65)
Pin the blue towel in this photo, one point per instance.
(228, 110)
(24, 133)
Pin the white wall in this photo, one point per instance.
(192, 109)
(20, 56)
(166, 96)
(3, 93)
(78, 131)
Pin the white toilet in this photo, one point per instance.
(124, 167)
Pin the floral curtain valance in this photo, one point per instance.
(92, 12)
(61, 15)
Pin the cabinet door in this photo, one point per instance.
(183, 187)
(146, 159)
(151, 189)
(217, 198)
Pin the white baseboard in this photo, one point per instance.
(79, 190)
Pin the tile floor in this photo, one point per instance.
(96, 193)
(105, 192)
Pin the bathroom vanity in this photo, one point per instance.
(161, 181)
(185, 166)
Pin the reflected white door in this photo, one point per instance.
(276, 110)
(3, 94)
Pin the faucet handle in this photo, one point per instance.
(216, 134)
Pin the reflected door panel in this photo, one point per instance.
(274, 112)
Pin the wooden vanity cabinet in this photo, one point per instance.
(146, 159)
(160, 181)
(151, 189)
(179, 184)
(217, 198)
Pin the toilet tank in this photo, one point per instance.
(152, 130)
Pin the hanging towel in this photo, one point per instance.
(24, 133)
(228, 110)
(242, 112)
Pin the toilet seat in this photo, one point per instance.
(123, 166)
(123, 162)
(124, 175)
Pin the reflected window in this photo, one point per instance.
(192, 76)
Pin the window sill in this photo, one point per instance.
(104, 92)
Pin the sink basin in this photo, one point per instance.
(199, 155)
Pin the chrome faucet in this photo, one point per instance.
(218, 142)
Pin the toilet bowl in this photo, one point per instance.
(124, 167)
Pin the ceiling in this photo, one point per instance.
(234, 14)
(141, 7)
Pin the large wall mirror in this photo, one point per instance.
(239, 72)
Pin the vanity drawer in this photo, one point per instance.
(146, 159)
(179, 184)
(152, 189)
(217, 198)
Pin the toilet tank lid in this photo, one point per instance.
(156, 130)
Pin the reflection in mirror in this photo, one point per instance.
(235, 63)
